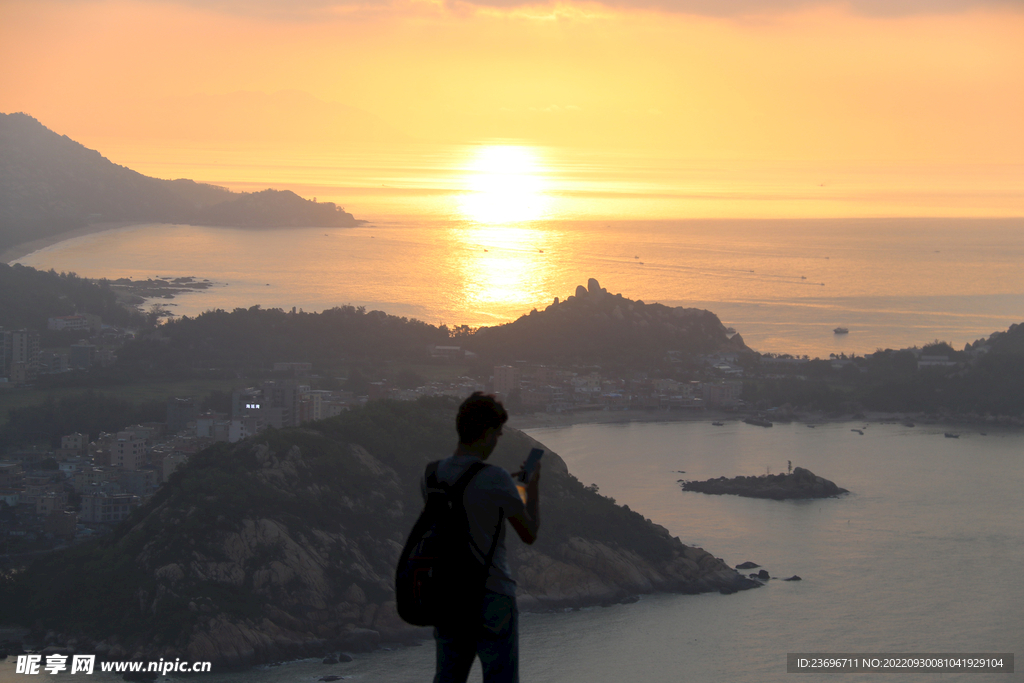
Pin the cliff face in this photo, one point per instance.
(286, 547)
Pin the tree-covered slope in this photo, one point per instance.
(285, 546)
(30, 297)
(596, 327)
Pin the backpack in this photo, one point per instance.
(439, 580)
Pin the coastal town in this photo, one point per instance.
(52, 497)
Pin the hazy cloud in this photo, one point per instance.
(725, 8)
(717, 8)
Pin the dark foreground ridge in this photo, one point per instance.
(284, 546)
(801, 483)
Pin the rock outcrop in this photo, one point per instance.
(801, 483)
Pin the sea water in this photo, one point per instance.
(784, 285)
(923, 555)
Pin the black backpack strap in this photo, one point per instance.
(430, 476)
(458, 489)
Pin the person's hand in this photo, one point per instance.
(534, 482)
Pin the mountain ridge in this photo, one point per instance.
(51, 184)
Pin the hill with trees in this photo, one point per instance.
(285, 546)
(30, 297)
(596, 327)
(981, 382)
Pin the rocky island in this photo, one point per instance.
(801, 483)
(284, 546)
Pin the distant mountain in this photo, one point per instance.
(595, 327)
(50, 184)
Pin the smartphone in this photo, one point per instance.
(531, 464)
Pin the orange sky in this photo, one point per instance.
(797, 82)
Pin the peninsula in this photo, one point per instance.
(51, 186)
(284, 546)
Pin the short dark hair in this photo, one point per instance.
(477, 414)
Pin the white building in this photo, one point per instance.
(68, 322)
(128, 451)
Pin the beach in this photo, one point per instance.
(22, 250)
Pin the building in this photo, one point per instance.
(21, 373)
(142, 482)
(107, 507)
(68, 322)
(50, 503)
(50, 363)
(75, 444)
(173, 461)
(240, 428)
(296, 369)
(128, 451)
(506, 380)
(722, 394)
(44, 496)
(11, 475)
(24, 346)
(6, 350)
(280, 403)
(81, 355)
(90, 477)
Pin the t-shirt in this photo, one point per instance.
(491, 492)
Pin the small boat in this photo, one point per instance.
(841, 330)
(758, 422)
(951, 435)
(858, 431)
(717, 424)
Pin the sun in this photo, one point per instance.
(504, 184)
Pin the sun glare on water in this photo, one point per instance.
(504, 184)
(500, 256)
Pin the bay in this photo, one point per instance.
(783, 285)
(921, 556)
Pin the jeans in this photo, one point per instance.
(495, 640)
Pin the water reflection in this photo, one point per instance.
(503, 269)
(505, 185)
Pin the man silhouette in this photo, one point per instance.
(491, 497)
